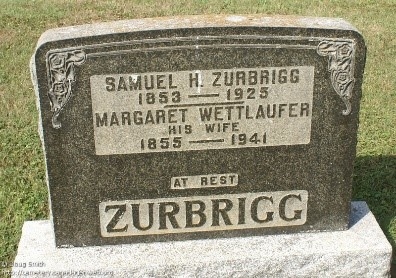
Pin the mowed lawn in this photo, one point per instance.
(23, 192)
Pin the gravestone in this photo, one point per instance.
(186, 128)
(200, 127)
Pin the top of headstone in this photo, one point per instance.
(196, 21)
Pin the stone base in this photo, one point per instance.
(362, 251)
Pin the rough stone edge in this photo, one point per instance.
(196, 21)
(361, 251)
(33, 76)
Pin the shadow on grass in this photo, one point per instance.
(374, 181)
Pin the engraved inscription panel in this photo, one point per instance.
(204, 181)
(202, 109)
(203, 213)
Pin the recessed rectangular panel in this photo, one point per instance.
(202, 109)
(203, 213)
(204, 181)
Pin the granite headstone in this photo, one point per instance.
(198, 127)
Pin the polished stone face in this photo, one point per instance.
(198, 127)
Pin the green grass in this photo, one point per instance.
(23, 193)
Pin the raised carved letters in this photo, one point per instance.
(203, 213)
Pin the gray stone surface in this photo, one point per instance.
(291, 169)
(361, 251)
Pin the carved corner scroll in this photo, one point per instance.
(341, 66)
(61, 76)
